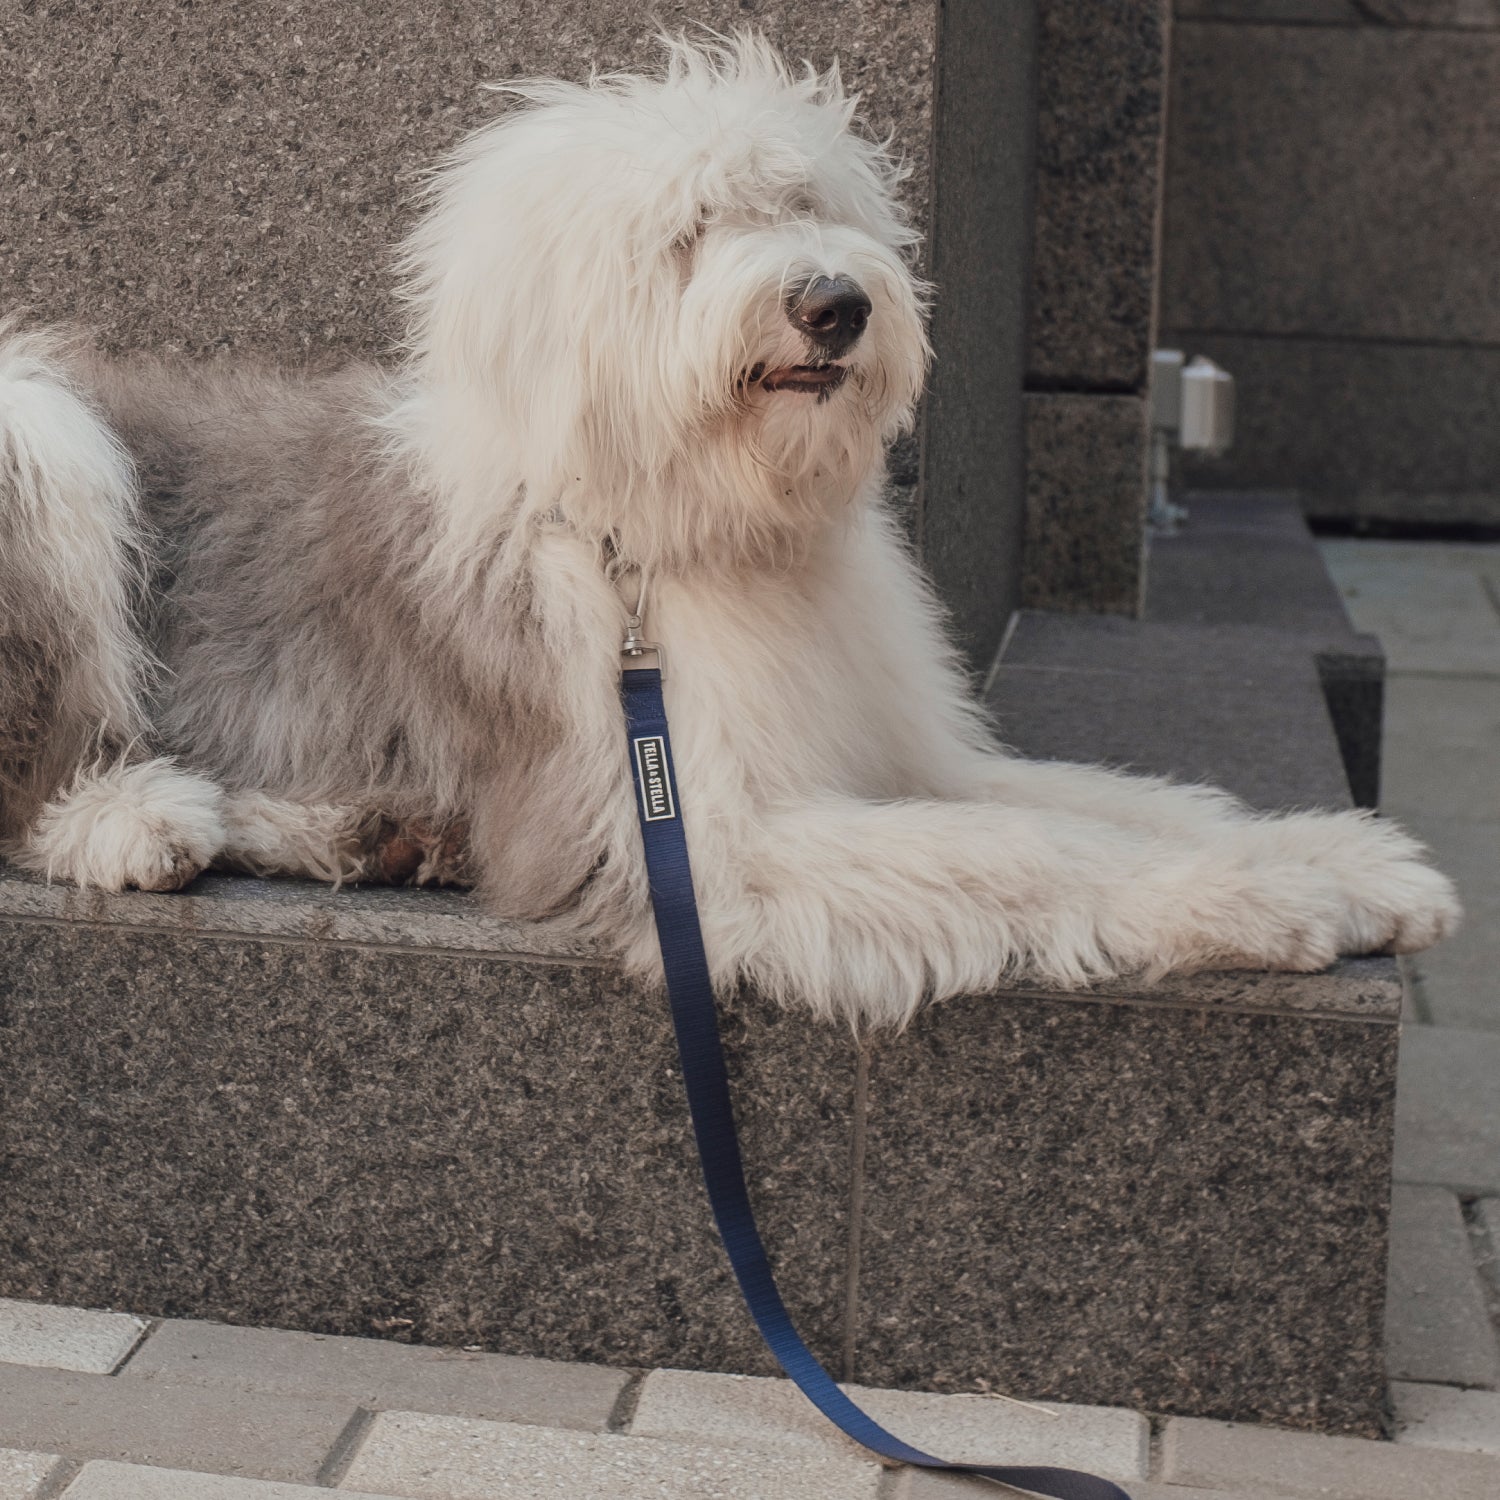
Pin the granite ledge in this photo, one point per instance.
(1366, 989)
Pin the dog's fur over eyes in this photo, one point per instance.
(369, 624)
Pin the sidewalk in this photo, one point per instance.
(1436, 607)
(103, 1406)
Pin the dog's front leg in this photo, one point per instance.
(866, 908)
(1391, 899)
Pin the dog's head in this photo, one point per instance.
(683, 297)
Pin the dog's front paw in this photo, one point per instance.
(149, 826)
(1228, 913)
(1391, 898)
(1397, 902)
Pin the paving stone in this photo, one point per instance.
(1437, 1327)
(925, 1484)
(65, 1338)
(375, 1373)
(448, 1458)
(1250, 1461)
(773, 1415)
(22, 1475)
(104, 1480)
(1440, 1416)
(1448, 1109)
(168, 1423)
(1429, 602)
(1460, 978)
(1440, 741)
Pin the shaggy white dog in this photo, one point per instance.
(369, 624)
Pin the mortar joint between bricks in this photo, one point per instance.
(152, 1324)
(622, 1413)
(63, 1474)
(1156, 1437)
(345, 1446)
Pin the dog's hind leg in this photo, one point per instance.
(266, 835)
(79, 799)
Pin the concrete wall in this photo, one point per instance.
(1332, 217)
(232, 176)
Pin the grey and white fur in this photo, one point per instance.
(662, 329)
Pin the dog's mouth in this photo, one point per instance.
(815, 380)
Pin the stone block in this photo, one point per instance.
(1248, 559)
(1364, 431)
(1448, 1110)
(377, 1374)
(1085, 503)
(1290, 145)
(1243, 559)
(22, 1475)
(1218, 1455)
(1438, 1416)
(1433, 607)
(773, 1415)
(446, 1458)
(65, 1338)
(1101, 94)
(1237, 707)
(1437, 1328)
(103, 1480)
(236, 175)
(457, 1147)
(1217, 1184)
(168, 1424)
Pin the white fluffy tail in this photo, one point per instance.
(70, 555)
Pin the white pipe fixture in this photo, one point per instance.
(1207, 404)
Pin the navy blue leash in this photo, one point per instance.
(697, 1025)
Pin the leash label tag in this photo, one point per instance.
(651, 774)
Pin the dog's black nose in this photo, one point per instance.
(832, 311)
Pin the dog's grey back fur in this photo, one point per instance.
(302, 656)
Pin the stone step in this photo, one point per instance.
(377, 1112)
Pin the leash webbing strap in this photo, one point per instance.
(696, 1022)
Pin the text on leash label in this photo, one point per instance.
(655, 784)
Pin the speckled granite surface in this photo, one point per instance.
(378, 1131)
(1085, 502)
(363, 1141)
(1101, 113)
(1065, 1200)
(234, 174)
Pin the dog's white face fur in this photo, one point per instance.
(605, 275)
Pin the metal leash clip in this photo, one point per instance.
(635, 645)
